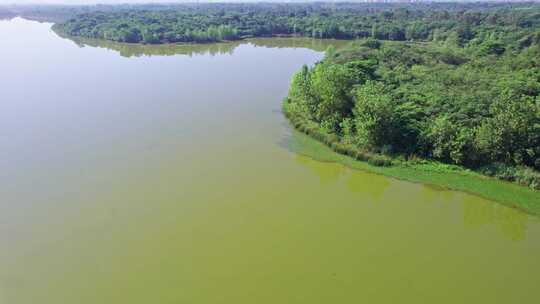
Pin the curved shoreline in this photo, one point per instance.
(506, 193)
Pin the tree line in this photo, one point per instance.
(154, 24)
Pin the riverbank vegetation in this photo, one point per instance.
(464, 97)
(217, 22)
(429, 172)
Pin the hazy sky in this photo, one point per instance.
(163, 1)
(90, 1)
(138, 1)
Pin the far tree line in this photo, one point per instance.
(218, 22)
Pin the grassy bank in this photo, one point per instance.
(327, 147)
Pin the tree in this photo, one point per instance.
(304, 104)
(512, 133)
(374, 116)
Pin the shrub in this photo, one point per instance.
(379, 161)
(522, 175)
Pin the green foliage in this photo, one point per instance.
(374, 116)
(450, 142)
(511, 134)
(492, 48)
(331, 85)
(371, 43)
(521, 175)
(471, 101)
(455, 23)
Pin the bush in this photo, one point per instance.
(380, 161)
(522, 175)
(371, 43)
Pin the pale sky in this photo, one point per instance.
(179, 1)
(97, 1)
(75, 2)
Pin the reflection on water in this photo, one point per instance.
(509, 222)
(138, 50)
(326, 174)
(364, 184)
(367, 185)
(477, 212)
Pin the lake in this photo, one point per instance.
(165, 174)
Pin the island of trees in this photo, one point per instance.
(462, 90)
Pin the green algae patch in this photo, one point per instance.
(427, 172)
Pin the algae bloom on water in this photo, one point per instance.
(152, 176)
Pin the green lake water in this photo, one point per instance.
(165, 174)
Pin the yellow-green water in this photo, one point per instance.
(134, 177)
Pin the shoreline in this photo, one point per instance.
(447, 177)
(63, 34)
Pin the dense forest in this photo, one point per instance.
(466, 94)
(217, 22)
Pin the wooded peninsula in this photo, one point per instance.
(462, 94)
